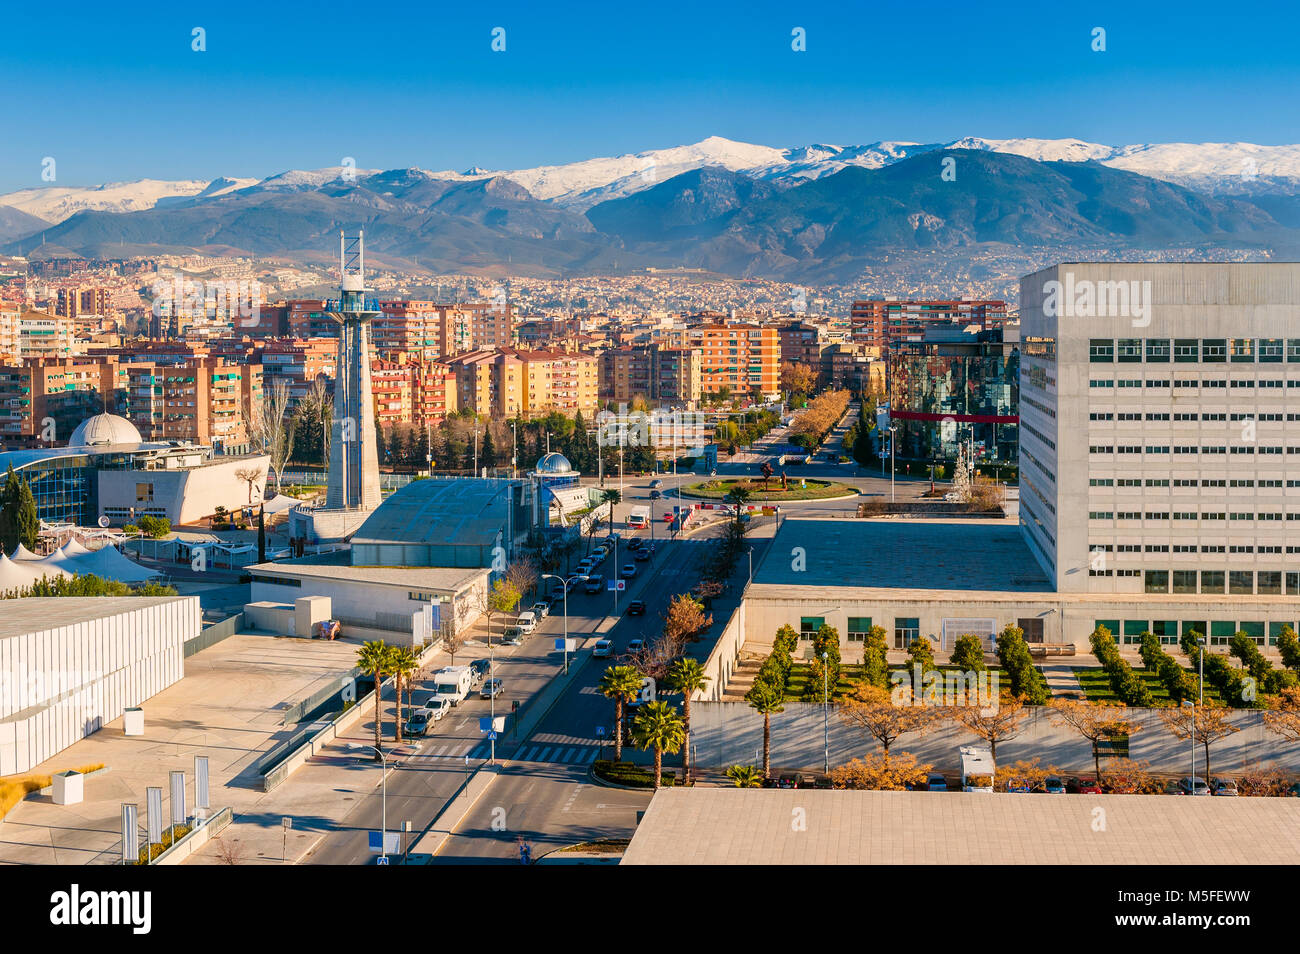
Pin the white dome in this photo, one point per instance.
(104, 429)
(554, 463)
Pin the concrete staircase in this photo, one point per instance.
(743, 676)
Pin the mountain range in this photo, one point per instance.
(810, 213)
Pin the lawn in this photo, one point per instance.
(1096, 686)
(635, 776)
(813, 489)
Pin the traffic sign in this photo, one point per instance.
(492, 736)
(381, 860)
(616, 585)
(600, 731)
(384, 843)
(491, 723)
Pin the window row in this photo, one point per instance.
(1192, 350)
(1220, 632)
(1188, 482)
(1270, 516)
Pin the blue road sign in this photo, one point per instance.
(492, 736)
(600, 731)
(381, 860)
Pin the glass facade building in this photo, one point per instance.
(956, 389)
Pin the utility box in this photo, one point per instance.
(308, 611)
(69, 787)
(133, 722)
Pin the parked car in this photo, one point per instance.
(420, 721)
(558, 589)
(603, 648)
(1224, 786)
(541, 609)
(935, 782)
(636, 608)
(513, 636)
(453, 683)
(1086, 785)
(787, 781)
(634, 646)
(1019, 785)
(480, 668)
(437, 707)
(491, 689)
(1171, 787)
(1193, 785)
(656, 484)
(527, 621)
(823, 781)
(1054, 785)
(586, 565)
(628, 571)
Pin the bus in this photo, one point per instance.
(639, 518)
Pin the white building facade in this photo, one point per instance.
(71, 665)
(1160, 443)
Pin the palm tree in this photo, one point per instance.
(404, 663)
(739, 496)
(766, 698)
(613, 498)
(374, 659)
(658, 726)
(622, 684)
(686, 676)
(745, 776)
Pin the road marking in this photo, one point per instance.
(531, 755)
(568, 756)
(544, 755)
(591, 756)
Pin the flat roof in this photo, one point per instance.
(448, 578)
(736, 826)
(34, 614)
(448, 511)
(917, 555)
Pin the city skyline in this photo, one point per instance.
(570, 87)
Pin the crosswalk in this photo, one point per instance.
(560, 753)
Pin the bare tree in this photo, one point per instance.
(273, 429)
(229, 852)
(250, 476)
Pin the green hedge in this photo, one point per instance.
(636, 776)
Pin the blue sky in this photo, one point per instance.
(114, 91)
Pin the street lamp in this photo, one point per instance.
(1191, 783)
(893, 429)
(514, 449)
(826, 712)
(565, 584)
(383, 826)
(1200, 643)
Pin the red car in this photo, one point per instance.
(1084, 786)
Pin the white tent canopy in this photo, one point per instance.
(22, 553)
(109, 563)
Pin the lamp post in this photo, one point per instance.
(514, 449)
(565, 584)
(1200, 643)
(1191, 783)
(383, 825)
(826, 712)
(893, 429)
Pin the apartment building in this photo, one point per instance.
(802, 342)
(738, 358)
(491, 383)
(298, 363)
(879, 321)
(307, 319)
(1186, 385)
(432, 331)
(564, 381)
(43, 399)
(204, 401)
(35, 334)
(654, 372)
(74, 302)
(411, 393)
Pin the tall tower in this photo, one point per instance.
(354, 460)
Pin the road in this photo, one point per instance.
(544, 794)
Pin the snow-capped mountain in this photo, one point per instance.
(56, 203)
(1215, 168)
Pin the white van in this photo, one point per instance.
(453, 683)
(527, 621)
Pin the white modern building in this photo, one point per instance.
(1160, 452)
(70, 665)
